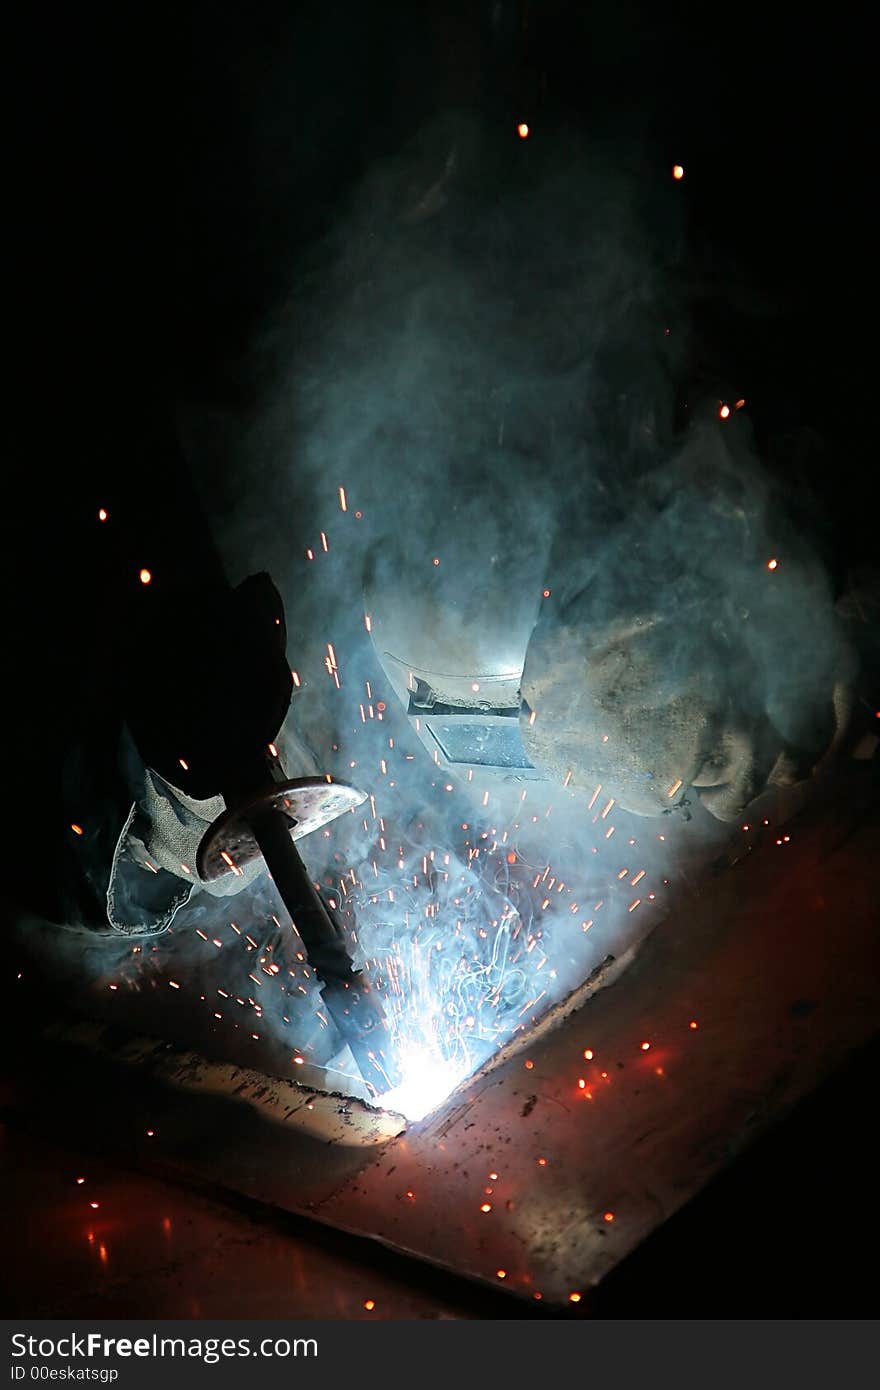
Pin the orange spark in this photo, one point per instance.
(522, 131)
(678, 171)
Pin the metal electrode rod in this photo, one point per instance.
(318, 932)
(347, 993)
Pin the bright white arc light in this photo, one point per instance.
(427, 1081)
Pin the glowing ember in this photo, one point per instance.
(103, 514)
(772, 564)
(678, 171)
(724, 411)
(522, 131)
(145, 576)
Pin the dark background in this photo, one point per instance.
(177, 165)
(173, 166)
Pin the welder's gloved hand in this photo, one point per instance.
(154, 867)
(685, 661)
(607, 712)
(197, 718)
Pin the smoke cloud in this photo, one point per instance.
(477, 367)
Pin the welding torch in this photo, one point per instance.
(210, 731)
(264, 821)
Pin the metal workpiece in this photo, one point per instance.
(544, 1170)
(548, 1168)
(317, 1104)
